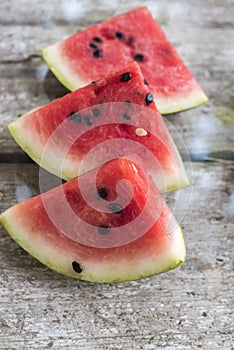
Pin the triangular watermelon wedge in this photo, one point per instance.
(109, 225)
(111, 45)
(109, 118)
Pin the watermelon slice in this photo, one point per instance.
(111, 45)
(87, 229)
(109, 118)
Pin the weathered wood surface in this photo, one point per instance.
(189, 308)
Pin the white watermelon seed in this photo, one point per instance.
(140, 132)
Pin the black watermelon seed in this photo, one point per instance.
(93, 46)
(88, 121)
(126, 116)
(149, 98)
(97, 39)
(125, 77)
(74, 116)
(145, 82)
(97, 53)
(96, 112)
(119, 35)
(103, 230)
(102, 192)
(76, 267)
(115, 208)
(139, 58)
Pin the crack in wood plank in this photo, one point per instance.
(21, 60)
(225, 156)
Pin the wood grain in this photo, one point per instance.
(191, 307)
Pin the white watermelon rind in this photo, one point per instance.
(60, 66)
(33, 148)
(61, 262)
(180, 103)
(66, 75)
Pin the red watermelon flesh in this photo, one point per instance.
(111, 45)
(109, 117)
(92, 241)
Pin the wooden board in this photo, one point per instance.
(191, 307)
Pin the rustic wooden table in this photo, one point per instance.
(188, 308)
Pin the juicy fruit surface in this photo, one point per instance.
(62, 132)
(111, 45)
(40, 225)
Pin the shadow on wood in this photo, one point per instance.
(52, 87)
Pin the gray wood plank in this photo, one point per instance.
(188, 308)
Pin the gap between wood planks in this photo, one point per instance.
(21, 60)
(216, 157)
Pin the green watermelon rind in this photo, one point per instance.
(49, 54)
(32, 150)
(21, 143)
(60, 67)
(196, 98)
(170, 264)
